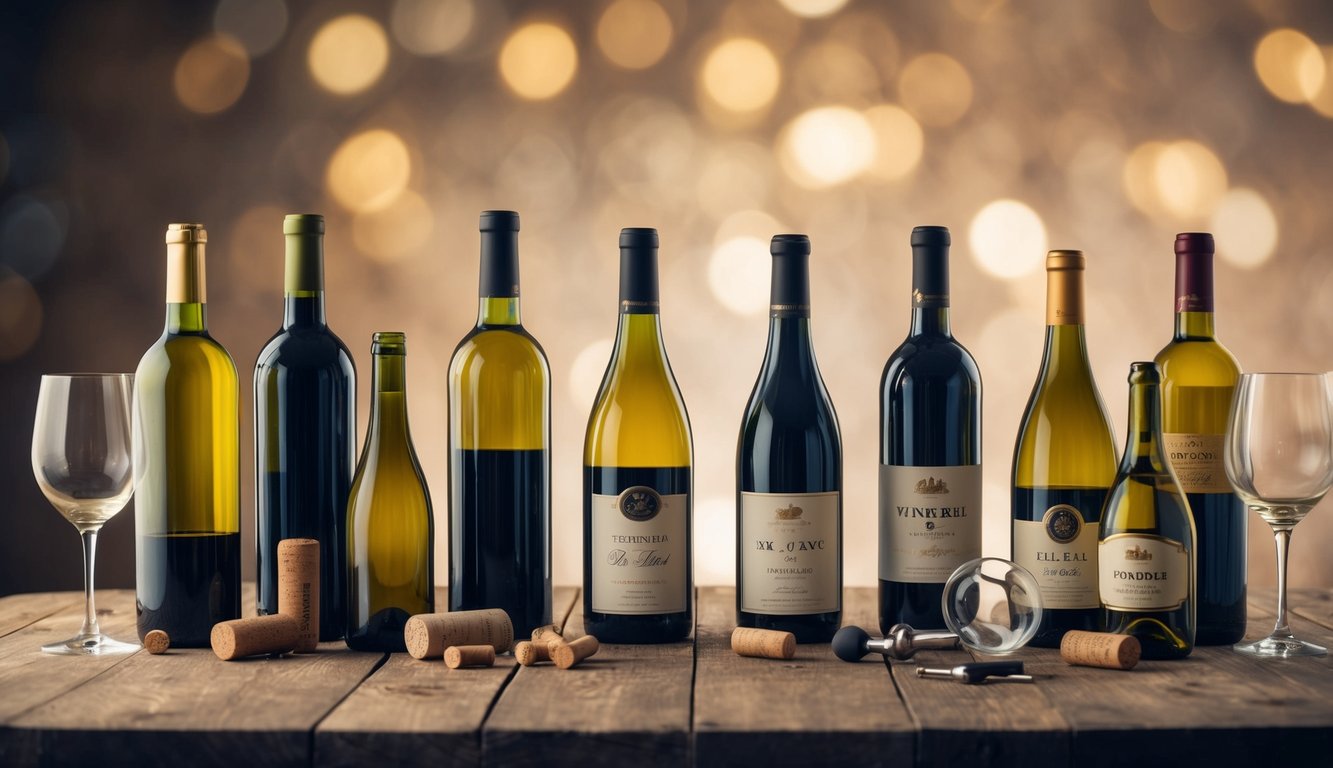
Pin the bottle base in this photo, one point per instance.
(638, 630)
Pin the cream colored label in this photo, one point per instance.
(638, 552)
(929, 521)
(1197, 462)
(1140, 572)
(789, 553)
(1060, 550)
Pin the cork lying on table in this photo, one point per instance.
(567, 655)
(763, 643)
(456, 656)
(427, 635)
(156, 642)
(529, 653)
(1100, 649)
(298, 588)
(254, 636)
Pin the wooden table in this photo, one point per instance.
(636, 706)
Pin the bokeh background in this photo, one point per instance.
(1106, 125)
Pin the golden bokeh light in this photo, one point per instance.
(813, 9)
(1245, 228)
(389, 234)
(634, 34)
(432, 27)
(735, 175)
(211, 75)
(899, 142)
(369, 170)
(348, 54)
(1188, 17)
(1290, 65)
(827, 146)
(538, 61)
(1008, 239)
(733, 271)
(257, 24)
(741, 75)
(20, 315)
(1183, 179)
(935, 88)
(1322, 101)
(835, 72)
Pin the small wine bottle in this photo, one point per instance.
(930, 451)
(186, 463)
(1145, 552)
(789, 473)
(1199, 377)
(637, 459)
(390, 528)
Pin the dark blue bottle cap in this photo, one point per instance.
(499, 221)
(638, 237)
(789, 245)
(931, 236)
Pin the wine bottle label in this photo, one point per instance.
(1060, 550)
(789, 555)
(1142, 572)
(929, 521)
(638, 552)
(1197, 462)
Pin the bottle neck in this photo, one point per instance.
(498, 290)
(789, 341)
(186, 288)
(388, 408)
(1194, 296)
(1194, 326)
(190, 317)
(930, 290)
(1143, 439)
(303, 280)
(638, 282)
(1066, 352)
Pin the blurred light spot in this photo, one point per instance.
(538, 61)
(757, 225)
(1245, 228)
(935, 88)
(1322, 101)
(211, 74)
(1190, 179)
(634, 34)
(389, 234)
(827, 146)
(813, 8)
(31, 235)
(255, 249)
(736, 275)
(898, 142)
(348, 54)
(715, 540)
(432, 27)
(741, 75)
(369, 170)
(734, 175)
(1139, 177)
(537, 176)
(1008, 239)
(585, 374)
(257, 24)
(1185, 16)
(978, 10)
(20, 316)
(649, 152)
(835, 72)
(1289, 65)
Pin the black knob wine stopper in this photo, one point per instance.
(852, 643)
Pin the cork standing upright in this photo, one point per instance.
(298, 588)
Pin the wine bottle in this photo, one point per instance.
(186, 463)
(789, 473)
(637, 459)
(305, 431)
(500, 449)
(1064, 463)
(1145, 551)
(930, 450)
(1199, 377)
(390, 528)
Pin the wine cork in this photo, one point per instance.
(1100, 649)
(763, 643)
(528, 653)
(156, 642)
(456, 656)
(235, 639)
(546, 634)
(569, 654)
(428, 634)
(298, 588)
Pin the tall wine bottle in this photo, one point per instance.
(930, 450)
(1145, 554)
(789, 472)
(637, 459)
(305, 431)
(390, 528)
(186, 463)
(1064, 464)
(500, 449)
(1199, 377)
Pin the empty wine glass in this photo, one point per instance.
(1279, 458)
(81, 459)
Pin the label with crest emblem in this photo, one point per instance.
(929, 521)
(789, 553)
(638, 557)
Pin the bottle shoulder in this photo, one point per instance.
(173, 353)
(507, 347)
(1197, 362)
(305, 348)
(930, 359)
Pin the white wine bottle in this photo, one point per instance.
(637, 460)
(1146, 550)
(186, 463)
(1064, 464)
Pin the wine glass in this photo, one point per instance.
(81, 459)
(1279, 458)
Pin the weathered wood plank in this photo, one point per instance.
(812, 710)
(412, 712)
(627, 706)
(19, 611)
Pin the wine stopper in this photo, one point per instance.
(851, 643)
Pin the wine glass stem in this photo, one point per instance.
(90, 626)
(1282, 537)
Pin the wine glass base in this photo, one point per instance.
(1280, 647)
(90, 645)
